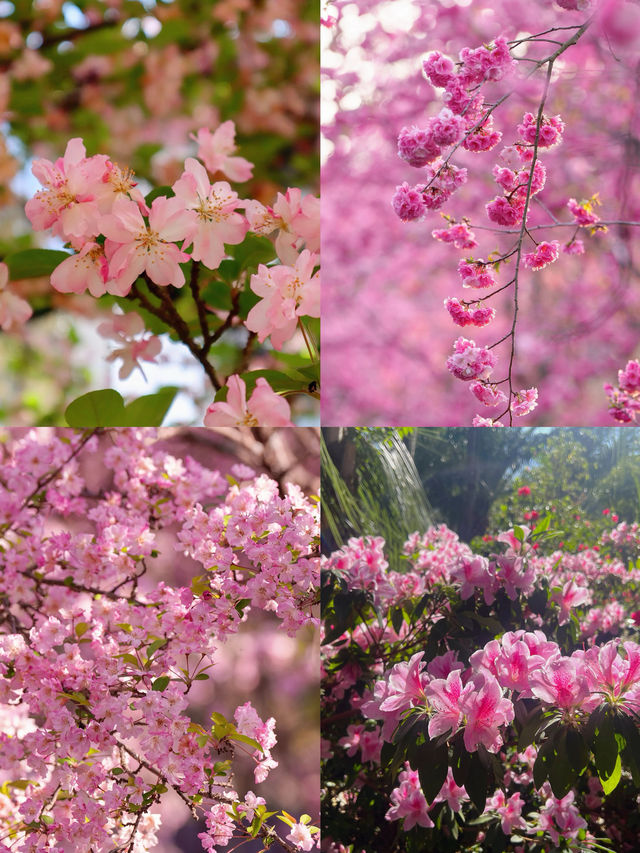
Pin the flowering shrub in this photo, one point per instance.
(97, 660)
(481, 703)
(493, 141)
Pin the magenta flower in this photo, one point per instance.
(407, 685)
(485, 710)
(133, 247)
(445, 696)
(560, 681)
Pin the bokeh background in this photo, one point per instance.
(385, 281)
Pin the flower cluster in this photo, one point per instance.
(624, 400)
(118, 237)
(98, 657)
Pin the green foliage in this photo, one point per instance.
(107, 409)
(32, 263)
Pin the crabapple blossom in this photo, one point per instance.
(86, 270)
(101, 665)
(216, 151)
(263, 406)
(123, 328)
(287, 294)
(300, 835)
(214, 218)
(14, 311)
(134, 247)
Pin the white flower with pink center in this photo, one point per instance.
(214, 218)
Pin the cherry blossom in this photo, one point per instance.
(216, 151)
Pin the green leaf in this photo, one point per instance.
(202, 676)
(106, 408)
(96, 408)
(397, 618)
(160, 683)
(543, 763)
(81, 628)
(151, 409)
(218, 295)
(477, 782)
(153, 648)
(529, 729)
(32, 263)
(518, 532)
(253, 251)
(432, 765)
(562, 774)
(244, 739)
(577, 751)
(157, 192)
(605, 748)
(611, 782)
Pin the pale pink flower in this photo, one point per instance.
(215, 221)
(67, 202)
(288, 293)
(123, 328)
(472, 572)
(88, 269)
(299, 224)
(216, 150)
(14, 311)
(133, 247)
(561, 817)
(525, 402)
(300, 835)
(570, 596)
(408, 801)
(264, 407)
(510, 811)
(485, 710)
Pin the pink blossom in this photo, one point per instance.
(510, 811)
(67, 202)
(445, 698)
(471, 573)
(264, 407)
(545, 254)
(298, 220)
(87, 269)
(408, 801)
(489, 395)
(485, 710)
(503, 212)
(457, 233)
(438, 69)
(525, 402)
(465, 315)
(446, 128)
(123, 328)
(629, 378)
(476, 274)
(300, 835)
(214, 219)
(408, 203)
(14, 311)
(561, 682)
(216, 150)
(469, 361)
(550, 132)
(575, 247)
(406, 686)
(479, 421)
(417, 146)
(133, 247)
(287, 294)
(452, 793)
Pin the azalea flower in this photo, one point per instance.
(264, 407)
